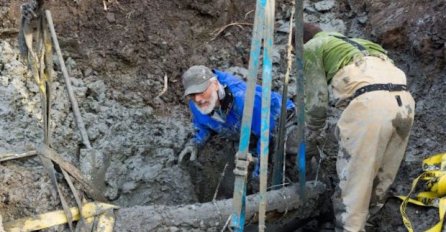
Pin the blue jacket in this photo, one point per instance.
(205, 124)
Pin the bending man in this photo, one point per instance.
(216, 100)
(374, 127)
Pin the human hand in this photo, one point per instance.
(188, 149)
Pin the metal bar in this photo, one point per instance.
(299, 99)
(75, 106)
(266, 108)
(279, 154)
(239, 197)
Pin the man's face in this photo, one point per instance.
(207, 100)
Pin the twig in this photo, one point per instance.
(9, 31)
(247, 13)
(216, 189)
(164, 87)
(287, 78)
(11, 156)
(129, 15)
(278, 185)
(322, 156)
(218, 31)
(105, 5)
(219, 182)
(226, 224)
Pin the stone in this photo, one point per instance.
(238, 71)
(91, 160)
(335, 25)
(324, 5)
(363, 19)
(88, 72)
(97, 90)
(110, 17)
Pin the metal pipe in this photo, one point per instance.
(74, 105)
(299, 98)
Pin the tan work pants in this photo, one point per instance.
(373, 132)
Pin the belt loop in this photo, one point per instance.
(390, 86)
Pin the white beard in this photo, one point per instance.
(210, 107)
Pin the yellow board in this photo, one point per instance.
(58, 217)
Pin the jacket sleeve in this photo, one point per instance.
(316, 88)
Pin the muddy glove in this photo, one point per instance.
(315, 137)
(188, 149)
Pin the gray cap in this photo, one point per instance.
(196, 79)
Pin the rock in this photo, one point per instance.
(97, 90)
(284, 26)
(4, 81)
(362, 19)
(75, 82)
(88, 71)
(238, 71)
(324, 5)
(334, 25)
(127, 187)
(91, 162)
(7, 53)
(275, 53)
(357, 6)
(309, 8)
(110, 17)
(14, 68)
(150, 172)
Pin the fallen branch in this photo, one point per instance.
(9, 32)
(205, 216)
(73, 171)
(217, 32)
(12, 156)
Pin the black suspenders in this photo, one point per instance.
(355, 44)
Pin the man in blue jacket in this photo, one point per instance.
(216, 100)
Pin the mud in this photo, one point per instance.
(117, 60)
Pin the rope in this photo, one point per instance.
(434, 193)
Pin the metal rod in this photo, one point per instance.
(299, 98)
(75, 106)
(279, 154)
